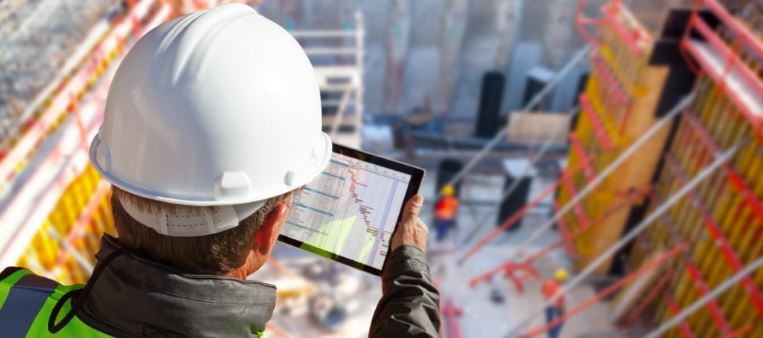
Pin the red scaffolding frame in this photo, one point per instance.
(636, 37)
(609, 290)
(730, 256)
(722, 63)
(598, 125)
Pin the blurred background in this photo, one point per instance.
(611, 150)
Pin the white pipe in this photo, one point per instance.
(644, 224)
(580, 55)
(607, 171)
(750, 268)
(360, 36)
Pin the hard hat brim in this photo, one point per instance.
(323, 155)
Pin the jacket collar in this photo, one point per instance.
(143, 298)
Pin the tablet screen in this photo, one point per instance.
(349, 211)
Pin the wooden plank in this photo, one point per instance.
(536, 128)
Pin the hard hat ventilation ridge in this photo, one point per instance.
(182, 43)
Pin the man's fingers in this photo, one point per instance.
(413, 207)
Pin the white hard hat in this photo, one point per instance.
(219, 108)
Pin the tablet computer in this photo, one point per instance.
(351, 210)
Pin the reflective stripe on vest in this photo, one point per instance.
(26, 301)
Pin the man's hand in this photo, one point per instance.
(409, 306)
(411, 230)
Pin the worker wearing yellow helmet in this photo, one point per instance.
(445, 211)
(560, 275)
(212, 121)
(555, 309)
(448, 190)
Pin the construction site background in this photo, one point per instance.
(620, 140)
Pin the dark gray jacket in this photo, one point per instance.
(135, 297)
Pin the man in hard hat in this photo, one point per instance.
(212, 122)
(555, 310)
(445, 211)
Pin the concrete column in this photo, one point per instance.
(559, 31)
(398, 34)
(507, 21)
(451, 42)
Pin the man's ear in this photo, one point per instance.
(266, 236)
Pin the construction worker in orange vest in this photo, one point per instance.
(445, 211)
(556, 309)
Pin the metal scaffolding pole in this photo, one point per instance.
(580, 55)
(607, 171)
(720, 160)
(547, 144)
(731, 281)
(609, 290)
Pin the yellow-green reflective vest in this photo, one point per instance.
(26, 301)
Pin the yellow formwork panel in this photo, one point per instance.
(726, 211)
(83, 211)
(612, 117)
(78, 220)
(725, 206)
(621, 97)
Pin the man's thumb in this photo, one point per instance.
(413, 207)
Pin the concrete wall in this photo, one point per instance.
(422, 64)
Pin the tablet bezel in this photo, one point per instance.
(417, 176)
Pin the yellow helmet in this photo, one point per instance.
(448, 190)
(560, 275)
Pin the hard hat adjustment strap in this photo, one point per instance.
(163, 229)
(210, 222)
(190, 221)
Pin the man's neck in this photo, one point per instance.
(238, 273)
